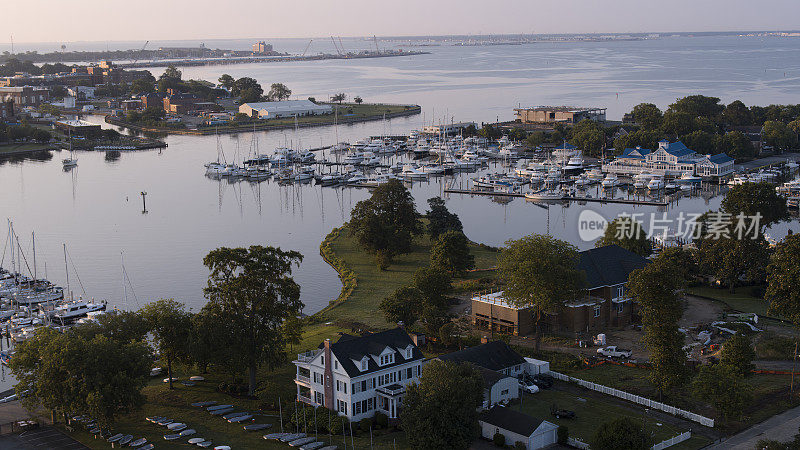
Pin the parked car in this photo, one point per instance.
(561, 413)
(612, 351)
(542, 380)
(529, 387)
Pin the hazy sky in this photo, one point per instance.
(112, 20)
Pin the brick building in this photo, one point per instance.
(603, 304)
(24, 96)
(6, 110)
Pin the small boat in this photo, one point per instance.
(177, 426)
(196, 378)
(204, 404)
(139, 442)
(240, 419)
(610, 181)
(69, 162)
(302, 441)
(116, 437)
(292, 437)
(165, 422)
(147, 447)
(655, 184)
(216, 407)
(220, 412)
(689, 177)
(188, 432)
(126, 439)
(232, 415)
(196, 440)
(156, 371)
(204, 444)
(312, 446)
(257, 426)
(544, 195)
(222, 447)
(275, 436)
(171, 437)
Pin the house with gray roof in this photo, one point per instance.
(359, 375)
(517, 427)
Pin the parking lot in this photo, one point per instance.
(40, 439)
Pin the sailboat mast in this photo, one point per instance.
(33, 238)
(66, 269)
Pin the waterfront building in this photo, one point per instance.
(24, 96)
(669, 159)
(286, 108)
(358, 376)
(450, 128)
(563, 114)
(603, 303)
(77, 127)
(262, 48)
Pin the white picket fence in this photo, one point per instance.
(637, 399)
(673, 441)
(577, 443)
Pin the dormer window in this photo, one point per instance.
(364, 364)
(387, 359)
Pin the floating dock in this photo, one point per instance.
(624, 201)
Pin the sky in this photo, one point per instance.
(116, 20)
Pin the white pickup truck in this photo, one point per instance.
(612, 351)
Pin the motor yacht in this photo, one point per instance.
(610, 181)
(656, 183)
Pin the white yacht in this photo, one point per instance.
(575, 164)
(595, 174)
(354, 158)
(74, 310)
(656, 183)
(610, 181)
(411, 172)
(688, 177)
(640, 180)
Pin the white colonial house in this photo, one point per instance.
(358, 376)
(669, 159)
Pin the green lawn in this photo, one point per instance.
(590, 411)
(374, 285)
(739, 300)
(31, 147)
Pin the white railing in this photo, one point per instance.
(577, 443)
(673, 441)
(307, 356)
(303, 379)
(637, 399)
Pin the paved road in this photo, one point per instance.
(782, 428)
(44, 438)
(761, 162)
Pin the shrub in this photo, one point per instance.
(520, 446)
(365, 424)
(499, 440)
(381, 420)
(563, 435)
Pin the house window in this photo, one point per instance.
(323, 359)
(409, 352)
(620, 291)
(364, 364)
(342, 406)
(319, 398)
(516, 368)
(597, 310)
(336, 364)
(409, 373)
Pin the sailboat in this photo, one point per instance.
(70, 162)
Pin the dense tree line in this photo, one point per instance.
(14, 65)
(17, 133)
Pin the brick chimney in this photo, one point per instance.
(328, 376)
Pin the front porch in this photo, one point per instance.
(390, 400)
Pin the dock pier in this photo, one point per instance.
(623, 201)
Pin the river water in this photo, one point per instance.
(96, 209)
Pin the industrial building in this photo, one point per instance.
(288, 108)
(24, 96)
(559, 114)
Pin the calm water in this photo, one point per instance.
(97, 210)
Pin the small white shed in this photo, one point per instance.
(536, 366)
(516, 427)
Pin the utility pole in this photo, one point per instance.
(144, 202)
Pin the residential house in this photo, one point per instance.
(358, 376)
(517, 427)
(497, 388)
(603, 303)
(6, 109)
(669, 159)
(495, 355)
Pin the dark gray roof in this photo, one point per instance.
(349, 348)
(508, 419)
(609, 265)
(490, 377)
(496, 355)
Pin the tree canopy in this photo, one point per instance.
(254, 293)
(69, 373)
(170, 326)
(621, 433)
(723, 387)
(783, 280)
(750, 199)
(278, 92)
(385, 224)
(738, 354)
(441, 411)
(540, 272)
(627, 233)
(451, 252)
(440, 219)
(647, 115)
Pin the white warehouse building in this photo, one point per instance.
(287, 108)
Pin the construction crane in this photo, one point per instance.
(336, 46)
(375, 40)
(341, 45)
(140, 53)
(307, 46)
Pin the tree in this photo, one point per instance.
(656, 287)
(385, 224)
(171, 72)
(737, 145)
(536, 139)
(732, 260)
(737, 114)
(340, 97)
(358, 100)
(738, 354)
(440, 219)
(170, 325)
(703, 142)
(226, 81)
(627, 233)
(778, 135)
(540, 272)
(441, 411)
(588, 135)
(750, 199)
(724, 388)
(451, 252)
(120, 326)
(70, 373)
(621, 433)
(697, 106)
(170, 79)
(677, 123)
(647, 115)
(402, 306)
(783, 280)
(247, 86)
(255, 294)
(144, 85)
(433, 284)
(278, 92)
